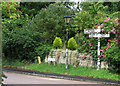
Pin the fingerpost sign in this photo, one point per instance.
(98, 35)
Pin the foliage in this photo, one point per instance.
(10, 10)
(83, 43)
(108, 49)
(16, 14)
(24, 38)
(9, 24)
(49, 22)
(32, 8)
(20, 44)
(94, 7)
(94, 46)
(57, 43)
(112, 6)
(113, 57)
(43, 50)
(21, 36)
(100, 10)
(107, 27)
(83, 20)
(95, 14)
(14, 62)
(3, 76)
(11, 16)
(72, 44)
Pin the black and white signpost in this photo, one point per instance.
(98, 35)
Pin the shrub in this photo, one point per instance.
(72, 44)
(20, 44)
(43, 50)
(108, 26)
(113, 56)
(3, 76)
(83, 44)
(49, 25)
(57, 43)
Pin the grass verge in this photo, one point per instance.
(60, 69)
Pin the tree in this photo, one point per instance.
(94, 7)
(112, 6)
(49, 22)
(33, 8)
(72, 44)
(10, 10)
(57, 43)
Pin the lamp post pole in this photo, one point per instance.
(67, 47)
(67, 20)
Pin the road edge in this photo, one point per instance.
(60, 76)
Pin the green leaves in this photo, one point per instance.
(113, 56)
(50, 22)
(10, 9)
(57, 43)
(83, 20)
(43, 50)
(113, 53)
(21, 44)
(72, 44)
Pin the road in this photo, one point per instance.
(16, 78)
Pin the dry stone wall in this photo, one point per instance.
(74, 58)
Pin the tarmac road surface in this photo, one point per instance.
(17, 78)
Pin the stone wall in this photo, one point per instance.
(74, 58)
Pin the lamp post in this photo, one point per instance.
(67, 20)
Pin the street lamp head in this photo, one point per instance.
(67, 18)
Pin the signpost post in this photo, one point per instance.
(98, 35)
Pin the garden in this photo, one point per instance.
(32, 29)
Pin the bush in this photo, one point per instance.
(108, 26)
(57, 43)
(3, 76)
(20, 44)
(83, 44)
(48, 23)
(43, 50)
(72, 44)
(113, 56)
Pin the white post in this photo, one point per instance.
(89, 31)
(98, 62)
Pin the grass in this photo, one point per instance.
(60, 69)
(14, 63)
